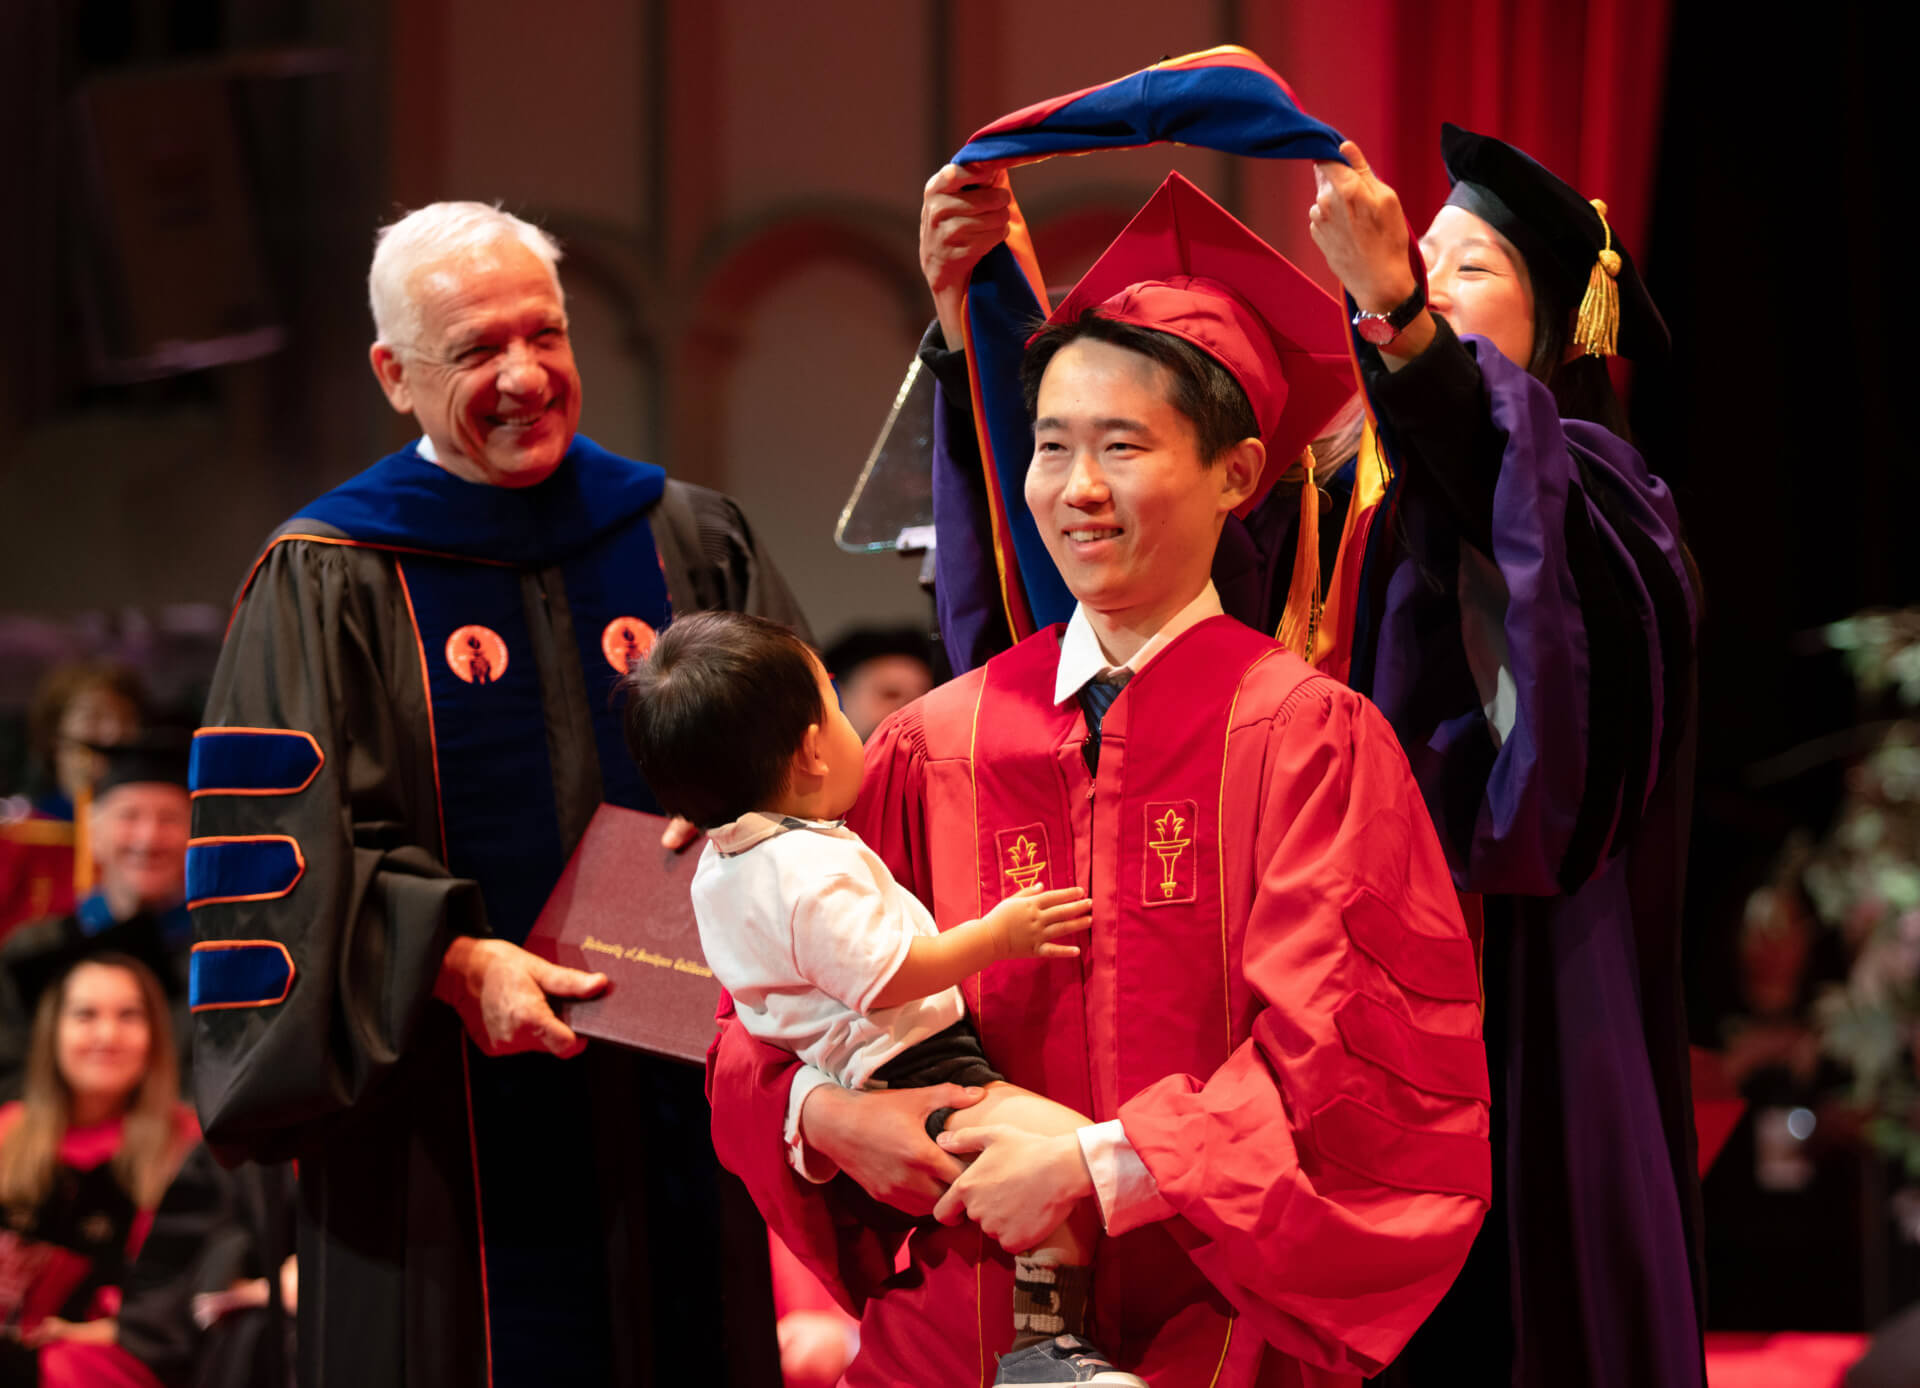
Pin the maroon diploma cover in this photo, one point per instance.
(623, 908)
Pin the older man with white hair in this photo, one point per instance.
(407, 734)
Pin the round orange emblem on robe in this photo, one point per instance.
(477, 654)
(625, 640)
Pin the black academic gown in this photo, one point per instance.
(75, 1239)
(213, 1228)
(450, 650)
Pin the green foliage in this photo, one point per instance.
(1863, 880)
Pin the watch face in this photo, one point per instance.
(1374, 328)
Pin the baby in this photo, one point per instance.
(735, 724)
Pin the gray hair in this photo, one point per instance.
(433, 233)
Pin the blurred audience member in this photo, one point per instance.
(84, 1159)
(879, 670)
(1773, 1032)
(210, 1300)
(139, 819)
(78, 708)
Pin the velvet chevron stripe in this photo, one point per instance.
(1436, 1064)
(238, 973)
(253, 761)
(1392, 1153)
(1223, 98)
(251, 867)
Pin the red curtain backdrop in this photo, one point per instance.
(1578, 84)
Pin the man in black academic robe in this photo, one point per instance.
(408, 731)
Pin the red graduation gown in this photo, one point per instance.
(1278, 1000)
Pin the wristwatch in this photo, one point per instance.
(1382, 328)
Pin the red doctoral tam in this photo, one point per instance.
(1185, 266)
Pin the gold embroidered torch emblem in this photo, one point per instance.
(1025, 861)
(1170, 844)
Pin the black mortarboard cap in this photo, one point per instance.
(862, 644)
(160, 754)
(1564, 239)
(36, 965)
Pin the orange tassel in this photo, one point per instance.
(83, 844)
(1300, 621)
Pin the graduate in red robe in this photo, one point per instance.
(1275, 1024)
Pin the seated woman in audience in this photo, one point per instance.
(85, 1157)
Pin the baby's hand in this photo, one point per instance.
(1026, 925)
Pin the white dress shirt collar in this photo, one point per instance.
(1081, 658)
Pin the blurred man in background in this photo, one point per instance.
(877, 670)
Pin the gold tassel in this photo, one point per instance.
(1300, 621)
(1597, 330)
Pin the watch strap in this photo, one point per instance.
(1382, 328)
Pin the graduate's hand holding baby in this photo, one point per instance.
(1030, 924)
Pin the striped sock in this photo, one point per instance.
(1049, 1298)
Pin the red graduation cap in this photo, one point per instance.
(1185, 266)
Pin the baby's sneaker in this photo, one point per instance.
(1064, 1359)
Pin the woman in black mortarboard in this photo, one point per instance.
(1530, 635)
(85, 1157)
(114, 1218)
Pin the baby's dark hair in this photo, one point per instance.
(716, 711)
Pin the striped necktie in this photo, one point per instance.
(1096, 697)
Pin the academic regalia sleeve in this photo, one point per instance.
(320, 917)
(1436, 412)
(1540, 710)
(966, 584)
(1331, 1175)
(844, 1237)
(835, 1230)
(729, 571)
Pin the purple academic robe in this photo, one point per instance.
(1533, 646)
